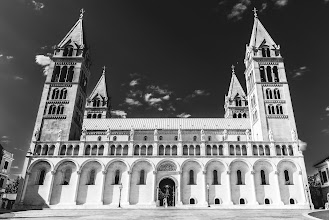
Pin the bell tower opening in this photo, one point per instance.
(167, 190)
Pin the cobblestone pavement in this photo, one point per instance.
(155, 214)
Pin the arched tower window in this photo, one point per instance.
(194, 138)
(286, 177)
(262, 74)
(268, 52)
(42, 176)
(263, 177)
(67, 177)
(277, 94)
(63, 94)
(269, 74)
(142, 177)
(56, 74)
(63, 74)
(191, 179)
(70, 74)
(239, 177)
(117, 177)
(55, 94)
(263, 52)
(269, 94)
(276, 74)
(215, 177)
(92, 176)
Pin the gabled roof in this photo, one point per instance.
(75, 35)
(235, 88)
(100, 88)
(259, 34)
(167, 123)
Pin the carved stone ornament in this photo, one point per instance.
(167, 166)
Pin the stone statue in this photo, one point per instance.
(203, 136)
(156, 134)
(270, 135)
(37, 134)
(131, 135)
(59, 135)
(108, 133)
(294, 135)
(224, 134)
(84, 132)
(179, 134)
(248, 135)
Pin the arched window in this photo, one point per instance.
(263, 177)
(292, 201)
(268, 94)
(239, 115)
(220, 150)
(63, 74)
(99, 116)
(244, 115)
(238, 138)
(276, 94)
(194, 138)
(191, 150)
(63, 94)
(68, 51)
(234, 115)
(52, 109)
(237, 150)
(263, 52)
(290, 150)
(44, 150)
(60, 110)
(63, 150)
(51, 150)
(286, 177)
(208, 150)
(279, 109)
(269, 74)
(209, 138)
(174, 150)
(37, 150)
(276, 74)
(56, 74)
(112, 151)
(217, 201)
(143, 150)
(192, 201)
(278, 150)
(238, 102)
(89, 116)
(214, 150)
(242, 201)
(215, 177)
(232, 150)
(269, 109)
(125, 150)
(142, 177)
(94, 115)
(262, 74)
(185, 150)
(87, 150)
(255, 150)
(145, 138)
(150, 150)
(67, 177)
(117, 177)
(69, 77)
(191, 179)
(267, 150)
(69, 150)
(267, 201)
(244, 150)
(239, 177)
(92, 176)
(197, 150)
(268, 52)
(136, 151)
(76, 150)
(272, 109)
(42, 176)
(55, 94)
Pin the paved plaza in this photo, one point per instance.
(162, 214)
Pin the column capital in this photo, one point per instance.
(53, 172)
(180, 172)
(28, 173)
(104, 172)
(130, 172)
(155, 172)
(252, 172)
(78, 172)
(204, 172)
(228, 172)
(276, 172)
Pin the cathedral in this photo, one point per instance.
(80, 157)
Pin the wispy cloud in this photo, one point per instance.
(183, 115)
(119, 113)
(280, 3)
(37, 5)
(194, 94)
(5, 139)
(238, 10)
(133, 102)
(151, 101)
(44, 61)
(299, 71)
(133, 82)
(18, 78)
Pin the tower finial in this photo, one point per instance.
(233, 69)
(82, 11)
(255, 12)
(104, 69)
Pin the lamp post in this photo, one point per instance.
(208, 193)
(120, 187)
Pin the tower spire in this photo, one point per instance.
(255, 12)
(233, 69)
(82, 11)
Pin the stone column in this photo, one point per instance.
(81, 148)
(277, 187)
(103, 186)
(154, 187)
(253, 188)
(204, 173)
(228, 180)
(179, 191)
(77, 187)
(157, 197)
(126, 202)
(53, 173)
(131, 148)
(24, 187)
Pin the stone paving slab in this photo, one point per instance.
(157, 214)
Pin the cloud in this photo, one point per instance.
(4, 137)
(197, 92)
(183, 115)
(166, 97)
(151, 101)
(302, 145)
(160, 109)
(133, 102)
(18, 78)
(299, 72)
(9, 57)
(325, 1)
(44, 61)
(37, 5)
(1, 55)
(238, 10)
(134, 82)
(280, 3)
(119, 113)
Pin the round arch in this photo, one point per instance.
(192, 160)
(117, 160)
(171, 160)
(168, 177)
(91, 160)
(40, 160)
(216, 160)
(291, 161)
(264, 160)
(243, 161)
(66, 160)
(142, 160)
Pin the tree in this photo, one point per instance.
(12, 187)
(315, 190)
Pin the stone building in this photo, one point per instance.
(80, 157)
(6, 158)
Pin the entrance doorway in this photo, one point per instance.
(167, 192)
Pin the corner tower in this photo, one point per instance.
(236, 102)
(270, 108)
(98, 103)
(63, 98)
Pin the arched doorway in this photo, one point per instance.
(167, 191)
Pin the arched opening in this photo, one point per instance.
(63, 74)
(217, 201)
(67, 176)
(42, 177)
(239, 177)
(267, 201)
(292, 202)
(167, 190)
(242, 201)
(192, 201)
(215, 177)
(117, 177)
(276, 74)
(269, 74)
(262, 74)
(191, 177)
(263, 177)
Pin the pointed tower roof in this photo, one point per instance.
(235, 86)
(76, 34)
(100, 88)
(259, 34)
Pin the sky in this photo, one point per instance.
(164, 59)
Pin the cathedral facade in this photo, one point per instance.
(80, 157)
